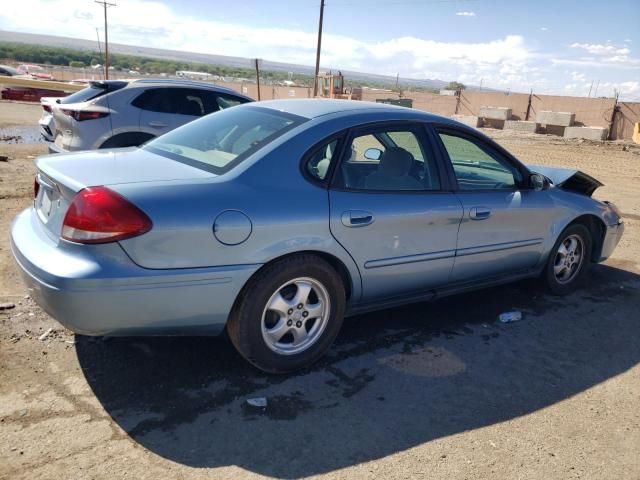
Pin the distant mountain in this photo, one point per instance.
(79, 44)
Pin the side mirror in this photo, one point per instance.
(538, 182)
(372, 154)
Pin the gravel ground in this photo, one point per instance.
(433, 390)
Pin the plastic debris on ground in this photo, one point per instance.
(508, 317)
(258, 402)
(43, 337)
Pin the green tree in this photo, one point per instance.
(456, 86)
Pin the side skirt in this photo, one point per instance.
(445, 291)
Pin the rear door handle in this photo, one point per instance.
(479, 213)
(357, 218)
(155, 124)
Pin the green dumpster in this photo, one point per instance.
(402, 102)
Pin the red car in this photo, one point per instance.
(29, 94)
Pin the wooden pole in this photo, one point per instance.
(106, 4)
(526, 117)
(258, 78)
(315, 80)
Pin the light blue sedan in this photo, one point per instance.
(275, 220)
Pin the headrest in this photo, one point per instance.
(395, 162)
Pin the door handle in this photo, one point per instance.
(479, 213)
(357, 218)
(155, 124)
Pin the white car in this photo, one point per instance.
(127, 113)
(47, 122)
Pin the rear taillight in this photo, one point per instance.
(100, 215)
(36, 187)
(46, 108)
(81, 115)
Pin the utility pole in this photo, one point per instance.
(105, 4)
(315, 80)
(589, 96)
(258, 77)
(613, 114)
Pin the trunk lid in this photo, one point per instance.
(62, 176)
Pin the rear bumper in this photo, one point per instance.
(612, 237)
(98, 290)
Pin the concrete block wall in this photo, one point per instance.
(472, 101)
(588, 133)
(471, 120)
(495, 113)
(592, 112)
(561, 119)
(521, 126)
(626, 118)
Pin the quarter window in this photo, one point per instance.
(475, 168)
(320, 161)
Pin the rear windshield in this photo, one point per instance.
(94, 90)
(220, 141)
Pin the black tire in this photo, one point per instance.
(245, 325)
(576, 278)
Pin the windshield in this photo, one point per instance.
(220, 141)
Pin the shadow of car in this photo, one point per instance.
(395, 379)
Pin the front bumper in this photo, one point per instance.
(98, 290)
(612, 237)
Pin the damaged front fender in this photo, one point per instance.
(568, 179)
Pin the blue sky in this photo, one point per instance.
(551, 46)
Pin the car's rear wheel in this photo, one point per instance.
(569, 260)
(288, 314)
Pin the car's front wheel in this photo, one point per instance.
(288, 314)
(569, 260)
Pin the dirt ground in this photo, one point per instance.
(433, 390)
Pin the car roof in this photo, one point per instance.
(153, 82)
(318, 107)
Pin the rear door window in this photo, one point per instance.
(155, 100)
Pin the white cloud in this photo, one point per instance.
(598, 49)
(578, 76)
(629, 88)
(544, 29)
(502, 62)
(466, 14)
